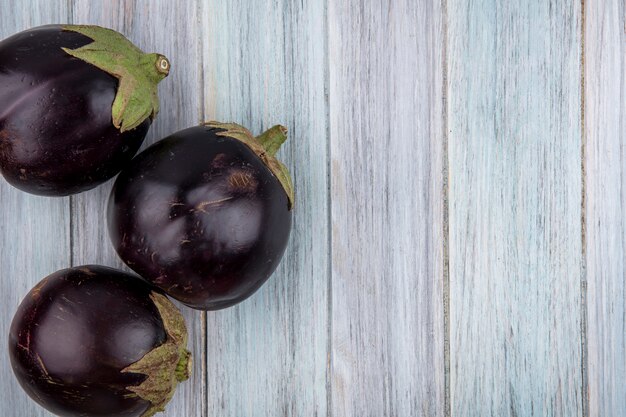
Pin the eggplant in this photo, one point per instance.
(95, 341)
(76, 103)
(204, 214)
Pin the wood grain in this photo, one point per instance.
(387, 148)
(605, 163)
(263, 65)
(170, 28)
(34, 231)
(515, 207)
(387, 103)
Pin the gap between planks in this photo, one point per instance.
(329, 217)
(204, 409)
(583, 221)
(447, 407)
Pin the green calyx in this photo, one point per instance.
(138, 73)
(265, 146)
(166, 365)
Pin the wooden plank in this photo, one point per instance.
(34, 231)
(170, 28)
(605, 163)
(514, 121)
(387, 154)
(264, 64)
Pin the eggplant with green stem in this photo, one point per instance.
(204, 214)
(76, 103)
(95, 341)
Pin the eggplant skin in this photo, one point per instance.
(200, 216)
(56, 130)
(73, 334)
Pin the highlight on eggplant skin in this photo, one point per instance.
(57, 135)
(203, 215)
(95, 341)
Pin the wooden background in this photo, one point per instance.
(460, 224)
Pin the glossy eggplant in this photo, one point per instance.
(75, 105)
(204, 214)
(95, 341)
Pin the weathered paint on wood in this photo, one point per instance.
(34, 231)
(264, 64)
(605, 164)
(352, 323)
(170, 28)
(515, 241)
(387, 154)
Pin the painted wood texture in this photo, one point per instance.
(605, 163)
(387, 153)
(264, 64)
(438, 264)
(34, 231)
(515, 242)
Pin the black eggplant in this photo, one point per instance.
(94, 341)
(76, 103)
(204, 214)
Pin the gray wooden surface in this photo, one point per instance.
(514, 120)
(386, 155)
(605, 167)
(459, 235)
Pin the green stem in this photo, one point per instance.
(272, 139)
